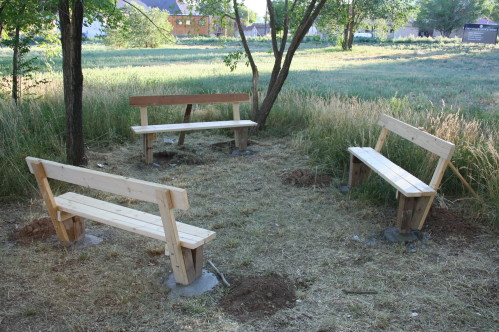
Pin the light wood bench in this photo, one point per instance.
(415, 196)
(184, 243)
(148, 131)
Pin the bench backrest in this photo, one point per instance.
(436, 145)
(115, 184)
(425, 140)
(145, 101)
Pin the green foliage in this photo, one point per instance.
(231, 60)
(447, 15)
(342, 19)
(149, 29)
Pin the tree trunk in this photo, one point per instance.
(274, 89)
(15, 67)
(71, 23)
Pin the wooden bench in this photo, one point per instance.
(184, 243)
(149, 131)
(415, 196)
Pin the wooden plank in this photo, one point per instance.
(142, 101)
(358, 172)
(439, 173)
(180, 270)
(421, 209)
(399, 173)
(425, 140)
(189, 230)
(192, 235)
(405, 213)
(147, 143)
(41, 178)
(241, 138)
(381, 139)
(236, 115)
(131, 220)
(143, 116)
(402, 180)
(192, 126)
(115, 184)
(187, 119)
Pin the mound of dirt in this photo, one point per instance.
(442, 223)
(39, 229)
(258, 297)
(302, 178)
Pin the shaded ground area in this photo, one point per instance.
(254, 298)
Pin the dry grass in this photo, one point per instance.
(263, 226)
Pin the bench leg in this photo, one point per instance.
(358, 172)
(148, 139)
(412, 212)
(194, 259)
(241, 138)
(75, 228)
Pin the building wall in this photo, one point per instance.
(190, 25)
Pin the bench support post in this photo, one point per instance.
(412, 212)
(48, 197)
(358, 172)
(241, 138)
(193, 259)
(182, 269)
(148, 140)
(187, 119)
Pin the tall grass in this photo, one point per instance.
(336, 123)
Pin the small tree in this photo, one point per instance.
(347, 15)
(282, 51)
(447, 15)
(149, 28)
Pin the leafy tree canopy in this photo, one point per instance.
(140, 28)
(447, 15)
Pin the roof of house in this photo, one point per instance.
(174, 7)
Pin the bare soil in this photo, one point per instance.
(290, 245)
(253, 298)
(39, 229)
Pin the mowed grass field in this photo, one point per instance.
(324, 242)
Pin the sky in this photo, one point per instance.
(258, 6)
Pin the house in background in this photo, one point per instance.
(185, 22)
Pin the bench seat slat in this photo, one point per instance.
(403, 181)
(192, 126)
(131, 220)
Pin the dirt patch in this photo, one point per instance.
(39, 229)
(303, 178)
(180, 157)
(443, 223)
(258, 297)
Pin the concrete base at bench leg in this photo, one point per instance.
(241, 138)
(75, 228)
(412, 212)
(358, 172)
